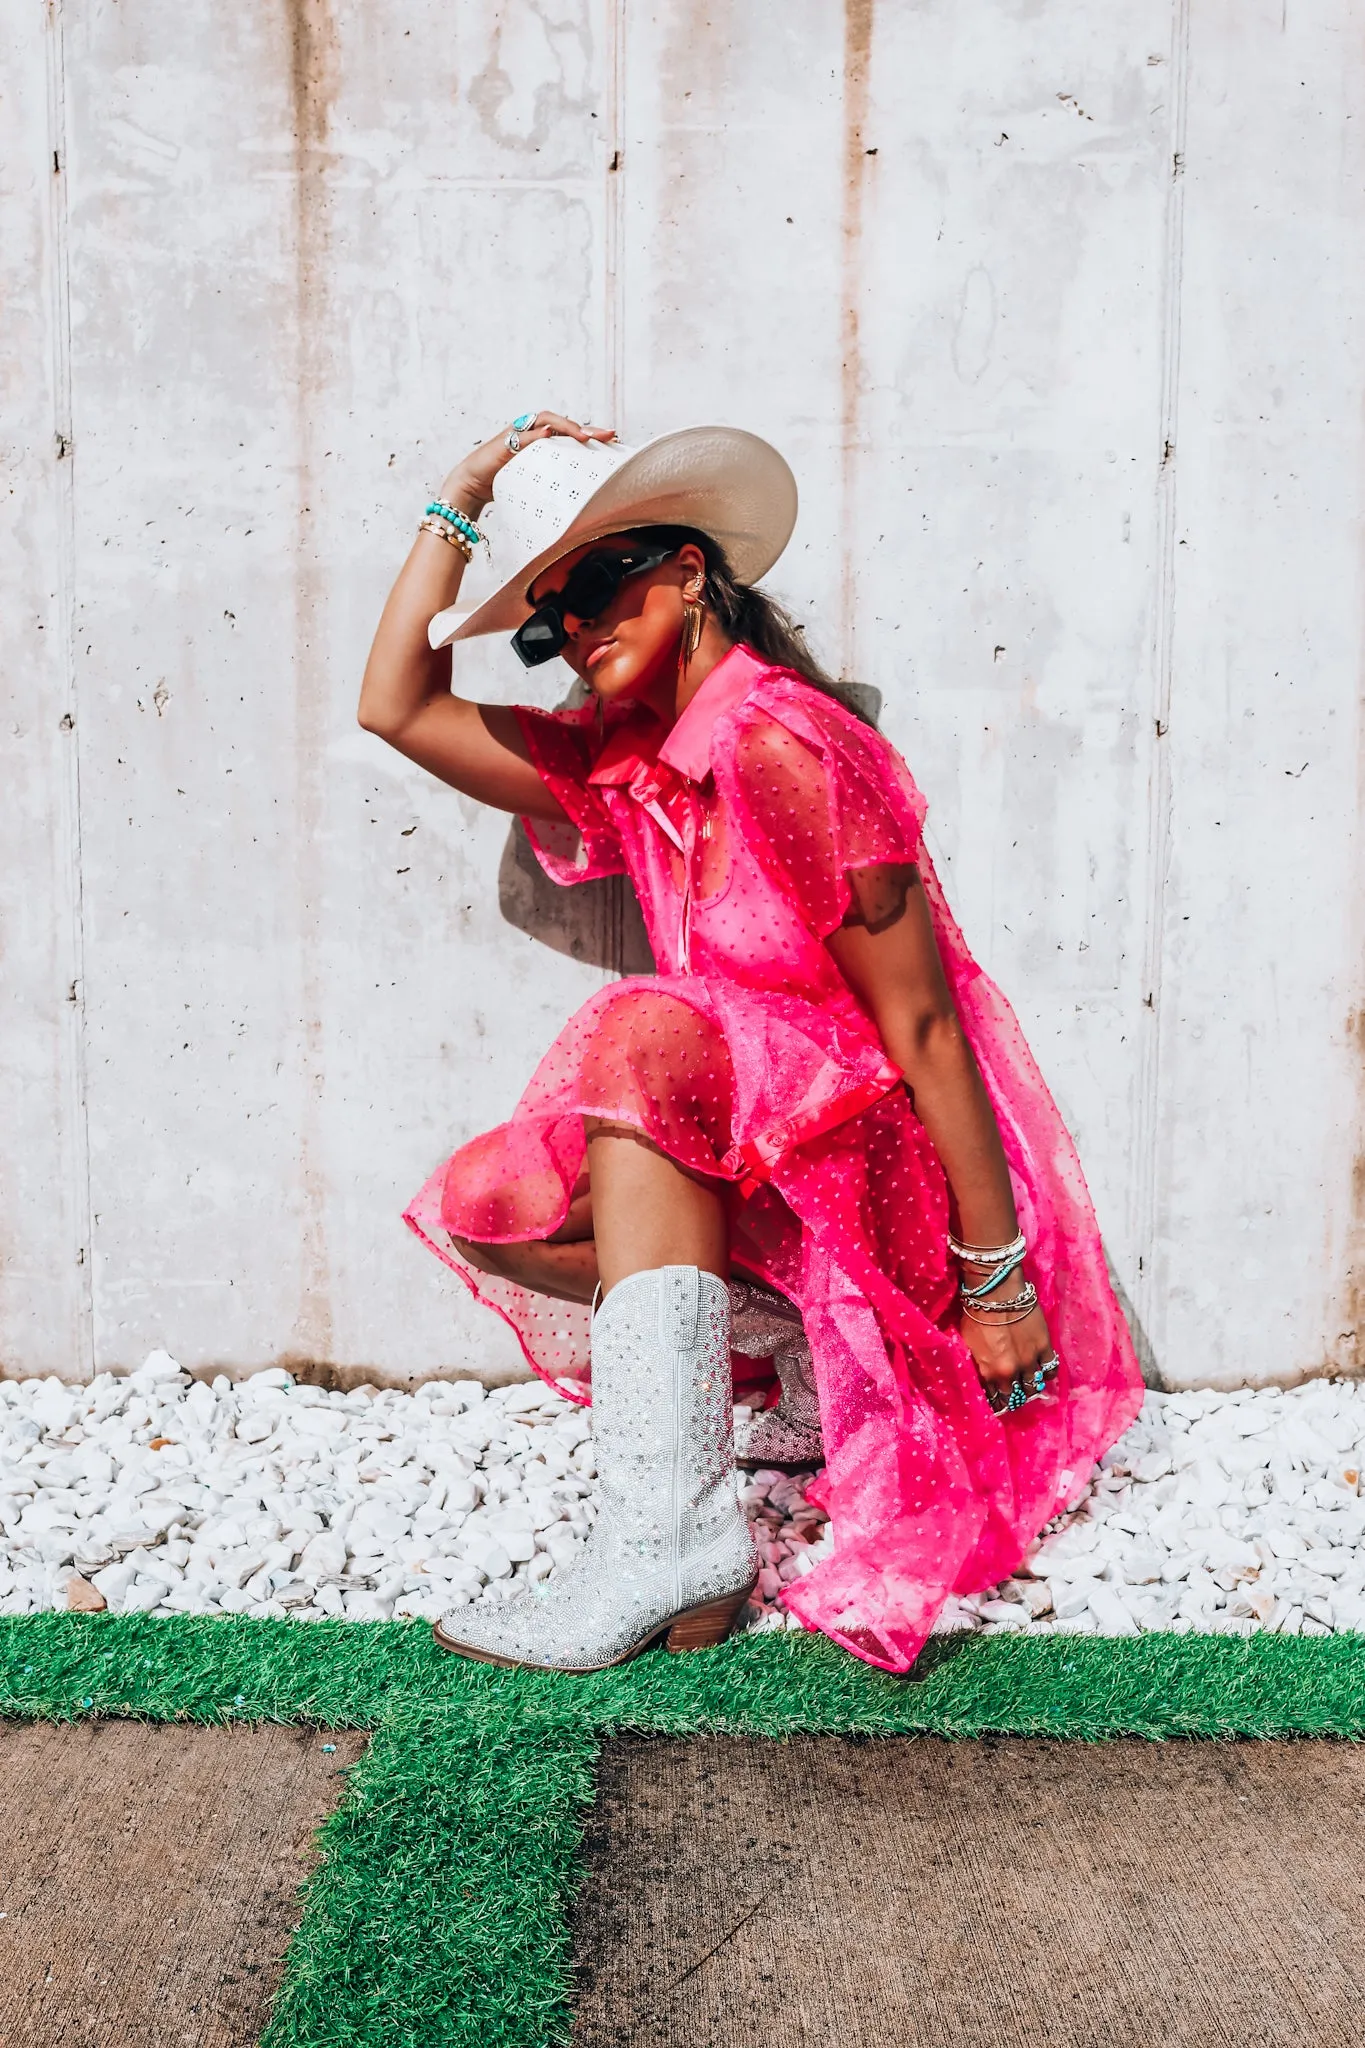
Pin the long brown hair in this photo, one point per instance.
(747, 613)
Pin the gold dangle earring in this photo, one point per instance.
(694, 618)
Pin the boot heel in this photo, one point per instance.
(704, 1627)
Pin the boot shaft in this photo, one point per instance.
(663, 1420)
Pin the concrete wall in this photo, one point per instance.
(1056, 310)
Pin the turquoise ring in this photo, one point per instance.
(523, 421)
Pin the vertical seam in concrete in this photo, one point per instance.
(858, 28)
(1343, 1332)
(614, 327)
(614, 216)
(76, 1126)
(1148, 1172)
(313, 67)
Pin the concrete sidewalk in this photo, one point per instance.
(151, 1876)
(825, 1893)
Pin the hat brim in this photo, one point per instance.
(724, 481)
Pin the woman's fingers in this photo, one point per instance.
(548, 424)
(1012, 1353)
(476, 475)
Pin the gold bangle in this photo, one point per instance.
(451, 535)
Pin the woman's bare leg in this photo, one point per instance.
(564, 1265)
(642, 1210)
(647, 1211)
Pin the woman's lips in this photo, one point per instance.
(595, 653)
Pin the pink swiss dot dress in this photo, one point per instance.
(748, 1059)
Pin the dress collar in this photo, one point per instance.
(688, 746)
(639, 742)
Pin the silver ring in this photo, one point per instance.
(524, 422)
(514, 441)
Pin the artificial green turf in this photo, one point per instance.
(438, 1915)
(355, 1674)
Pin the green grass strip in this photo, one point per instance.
(356, 1674)
(438, 1915)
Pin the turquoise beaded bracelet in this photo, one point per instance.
(461, 521)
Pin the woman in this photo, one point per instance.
(819, 1090)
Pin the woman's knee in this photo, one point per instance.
(667, 1047)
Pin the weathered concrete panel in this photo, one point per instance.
(303, 981)
(945, 256)
(949, 222)
(1257, 1099)
(44, 1234)
(1002, 409)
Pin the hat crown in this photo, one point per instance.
(537, 497)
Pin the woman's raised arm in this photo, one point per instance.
(406, 696)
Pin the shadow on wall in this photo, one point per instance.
(1142, 1343)
(598, 923)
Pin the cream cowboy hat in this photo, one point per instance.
(559, 493)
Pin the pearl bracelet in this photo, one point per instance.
(986, 1254)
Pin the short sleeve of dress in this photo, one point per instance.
(821, 795)
(588, 846)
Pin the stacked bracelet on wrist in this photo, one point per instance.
(449, 534)
(1000, 1260)
(986, 1254)
(1012, 1311)
(449, 524)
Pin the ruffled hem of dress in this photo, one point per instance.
(575, 1390)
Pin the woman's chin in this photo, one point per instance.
(622, 677)
(614, 680)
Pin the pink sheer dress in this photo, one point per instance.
(748, 1059)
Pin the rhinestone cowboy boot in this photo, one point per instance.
(671, 1554)
(785, 1438)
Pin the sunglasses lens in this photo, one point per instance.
(588, 590)
(541, 638)
(592, 586)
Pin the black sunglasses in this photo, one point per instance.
(588, 590)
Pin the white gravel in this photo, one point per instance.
(1216, 1511)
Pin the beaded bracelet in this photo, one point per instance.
(450, 534)
(986, 1254)
(459, 520)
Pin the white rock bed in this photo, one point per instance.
(1223, 1512)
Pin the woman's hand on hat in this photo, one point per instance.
(472, 479)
